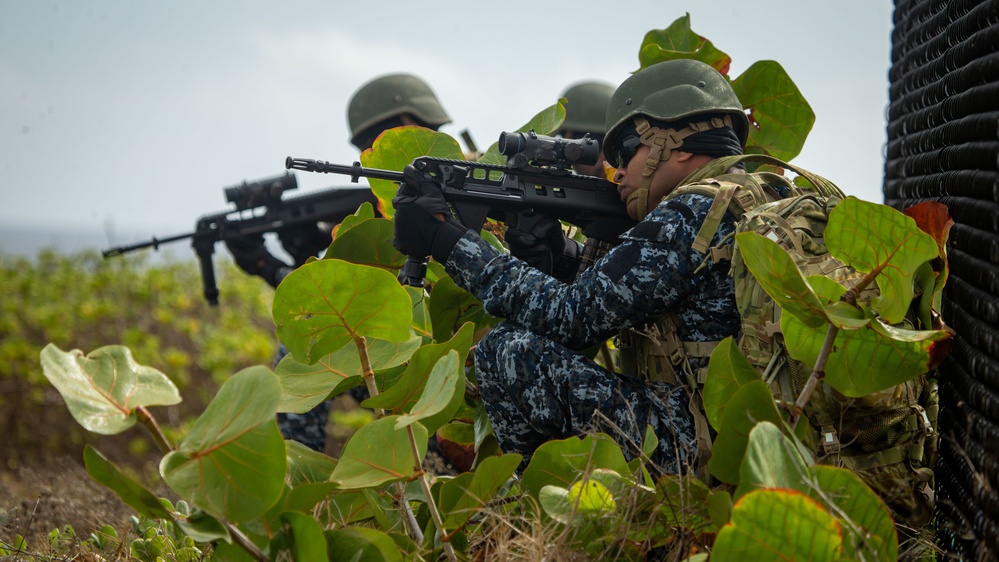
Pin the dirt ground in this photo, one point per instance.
(34, 500)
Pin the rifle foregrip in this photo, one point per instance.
(413, 271)
(209, 286)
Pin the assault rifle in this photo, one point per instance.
(260, 209)
(537, 182)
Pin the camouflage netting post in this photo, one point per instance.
(943, 145)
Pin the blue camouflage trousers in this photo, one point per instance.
(536, 390)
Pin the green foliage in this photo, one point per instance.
(779, 116)
(347, 322)
(83, 302)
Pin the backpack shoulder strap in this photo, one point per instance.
(721, 165)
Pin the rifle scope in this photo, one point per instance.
(530, 147)
(260, 193)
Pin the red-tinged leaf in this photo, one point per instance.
(934, 219)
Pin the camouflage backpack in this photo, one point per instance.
(887, 438)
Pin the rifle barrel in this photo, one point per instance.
(154, 243)
(355, 171)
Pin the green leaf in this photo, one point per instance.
(363, 213)
(304, 386)
(771, 461)
(396, 148)
(307, 539)
(772, 525)
(590, 497)
(678, 41)
(131, 492)
(439, 392)
(779, 116)
(404, 394)
(361, 545)
(451, 306)
(555, 501)
(103, 389)
(322, 306)
(378, 454)
(870, 359)
(462, 496)
(545, 122)
(683, 501)
(872, 237)
(874, 532)
(562, 462)
(232, 463)
(728, 370)
(778, 275)
(305, 465)
(368, 243)
(421, 313)
(751, 404)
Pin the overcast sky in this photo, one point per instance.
(133, 116)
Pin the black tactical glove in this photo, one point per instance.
(423, 222)
(252, 257)
(545, 248)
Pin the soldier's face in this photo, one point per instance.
(667, 176)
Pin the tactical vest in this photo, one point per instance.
(888, 438)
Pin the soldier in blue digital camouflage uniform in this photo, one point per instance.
(663, 123)
(389, 101)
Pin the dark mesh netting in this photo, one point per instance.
(943, 145)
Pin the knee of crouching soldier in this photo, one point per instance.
(490, 353)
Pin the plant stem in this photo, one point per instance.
(431, 504)
(244, 542)
(368, 374)
(818, 373)
(147, 419)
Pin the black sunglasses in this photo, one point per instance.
(626, 149)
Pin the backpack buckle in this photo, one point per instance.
(830, 440)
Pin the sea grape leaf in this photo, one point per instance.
(772, 460)
(395, 148)
(683, 501)
(377, 454)
(728, 370)
(869, 359)
(368, 243)
(462, 496)
(232, 463)
(358, 544)
(323, 305)
(842, 487)
(306, 466)
(678, 41)
(751, 404)
(134, 494)
(401, 397)
(778, 275)
(363, 213)
(304, 386)
(439, 392)
(103, 389)
(771, 525)
(876, 238)
(307, 539)
(451, 306)
(934, 219)
(779, 116)
(562, 462)
(421, 324)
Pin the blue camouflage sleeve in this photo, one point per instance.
(643, 277)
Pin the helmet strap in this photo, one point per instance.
(662, 143)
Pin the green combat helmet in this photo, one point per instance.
(670, 92)
(587, 109)
(402, 99)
